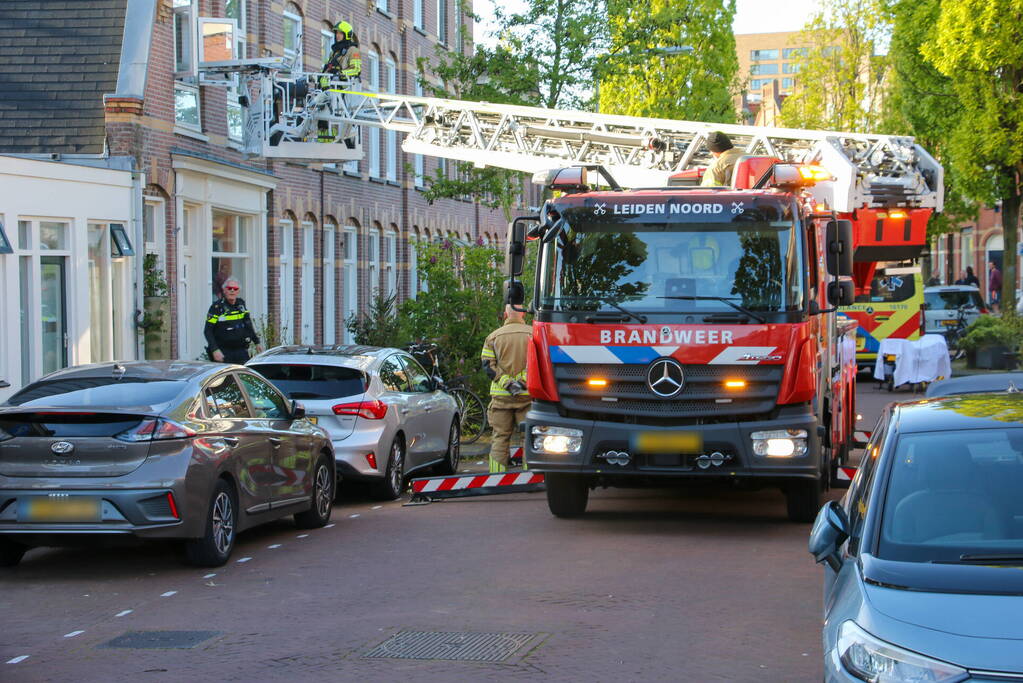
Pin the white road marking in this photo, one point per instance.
(275, 545)
(353, 516)
(124, 613)
(73, 634)
(377, 507)
(168, 594)
(328, 526)
(18, 660)
(244, 559)
(209, 576)
(302, 536)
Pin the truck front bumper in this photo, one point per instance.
(604, 443)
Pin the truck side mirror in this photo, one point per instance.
(839, 238)
(515, 250)
(841, 293)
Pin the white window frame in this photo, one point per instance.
(287, 281)
(391, 261)
(417, 14)
(307, 280)
(185, 79)
(326, 41)
(382, 5)
(373, 244)
(418, 160)
(234, 90)
(158, 244)
(350, 274)
(296, 56)
(373, 85)
(330, 233)
(391, 146)
(29, 258)
(413, 265)
(442, 21)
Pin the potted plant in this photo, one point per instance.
(156, 309)
(990, 342)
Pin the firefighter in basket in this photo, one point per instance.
(344, 64)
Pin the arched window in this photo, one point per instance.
(293, 37)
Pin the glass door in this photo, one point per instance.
(53, 314)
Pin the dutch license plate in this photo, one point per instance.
(667, 442)
(78, 509)
(313, 419)
(948, 323)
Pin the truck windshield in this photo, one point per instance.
(674, 267)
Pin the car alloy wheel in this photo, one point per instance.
(454, 448)
(322, 502)
(223, 523)
(396, 468)
(324, 490)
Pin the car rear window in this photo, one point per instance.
(91, 392)
(952, 299)
(310, 381)
(67, 425)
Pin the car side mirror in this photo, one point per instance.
(830, 530)
(297, 410)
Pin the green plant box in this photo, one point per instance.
(992, 357)
(157, 339)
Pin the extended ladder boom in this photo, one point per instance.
(285, 115)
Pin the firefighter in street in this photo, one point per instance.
(719, 173)
(229, 329)
(504, 361)
(344, 63)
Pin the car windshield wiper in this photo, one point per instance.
(611, 302)
(993, 558)
(728, 300)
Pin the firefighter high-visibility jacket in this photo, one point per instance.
(719, 173)
(229, 326)
(505, 352)
(345, 62)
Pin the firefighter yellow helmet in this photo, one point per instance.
(344, 28)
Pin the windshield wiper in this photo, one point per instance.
(728, 300)
(611, 302)
(993, 558)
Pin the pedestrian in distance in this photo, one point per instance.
(971, 278)
(229, 330)
(504, 362)
(994, 285)
(961, 280)
(719, 173)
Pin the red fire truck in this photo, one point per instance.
(685, 333)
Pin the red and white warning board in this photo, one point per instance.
(845, 473)
(435, 488)
(860, 438)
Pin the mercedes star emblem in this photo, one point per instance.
(665, 377)
(62, 447)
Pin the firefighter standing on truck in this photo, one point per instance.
(504, 361)
(229, 329)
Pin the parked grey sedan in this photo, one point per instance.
(923, 555)
(164, 449)
(384, 413)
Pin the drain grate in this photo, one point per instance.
(452, 646)
(160, 640)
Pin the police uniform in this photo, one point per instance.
(229, 329)
(504, 353)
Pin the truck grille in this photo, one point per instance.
(628, 393)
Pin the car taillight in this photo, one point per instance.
(152, 429)
(370, 410)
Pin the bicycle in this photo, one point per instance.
(471, 409)
(955, 333)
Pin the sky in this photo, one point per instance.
(751, 16)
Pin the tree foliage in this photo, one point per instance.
(642, 77)
(977, 44)
(842, 75)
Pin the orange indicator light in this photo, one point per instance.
(735, 384)
(897, 214)
(597, 383)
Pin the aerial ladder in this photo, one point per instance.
(887, 185)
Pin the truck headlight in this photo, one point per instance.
(556, 440)
(779, 443)
(871, 659)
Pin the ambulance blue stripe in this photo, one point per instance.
(634, 354)
(559, 356)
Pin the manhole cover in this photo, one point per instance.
(452, 646)
(160, 640)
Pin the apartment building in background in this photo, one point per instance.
(106, 93)
(768, 68)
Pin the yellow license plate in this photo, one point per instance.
(668, 442)
(948, 323)
(313, 419)
(80, 509)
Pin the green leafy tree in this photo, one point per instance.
(641, 75)
(922, 102)
(842, 75)
(381, 325)
(977, 44)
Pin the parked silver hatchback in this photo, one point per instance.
(384, 413)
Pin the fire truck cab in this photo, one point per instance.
(688, 334)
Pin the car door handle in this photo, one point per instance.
(230, 440)
(275, 441)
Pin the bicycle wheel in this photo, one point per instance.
(473, 412)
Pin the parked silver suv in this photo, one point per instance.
(384, 413)
(943, 304)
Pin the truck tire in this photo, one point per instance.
(803, 499)
(567, 494)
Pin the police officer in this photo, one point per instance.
(504, 361)
(719, 173)
(229, 329)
